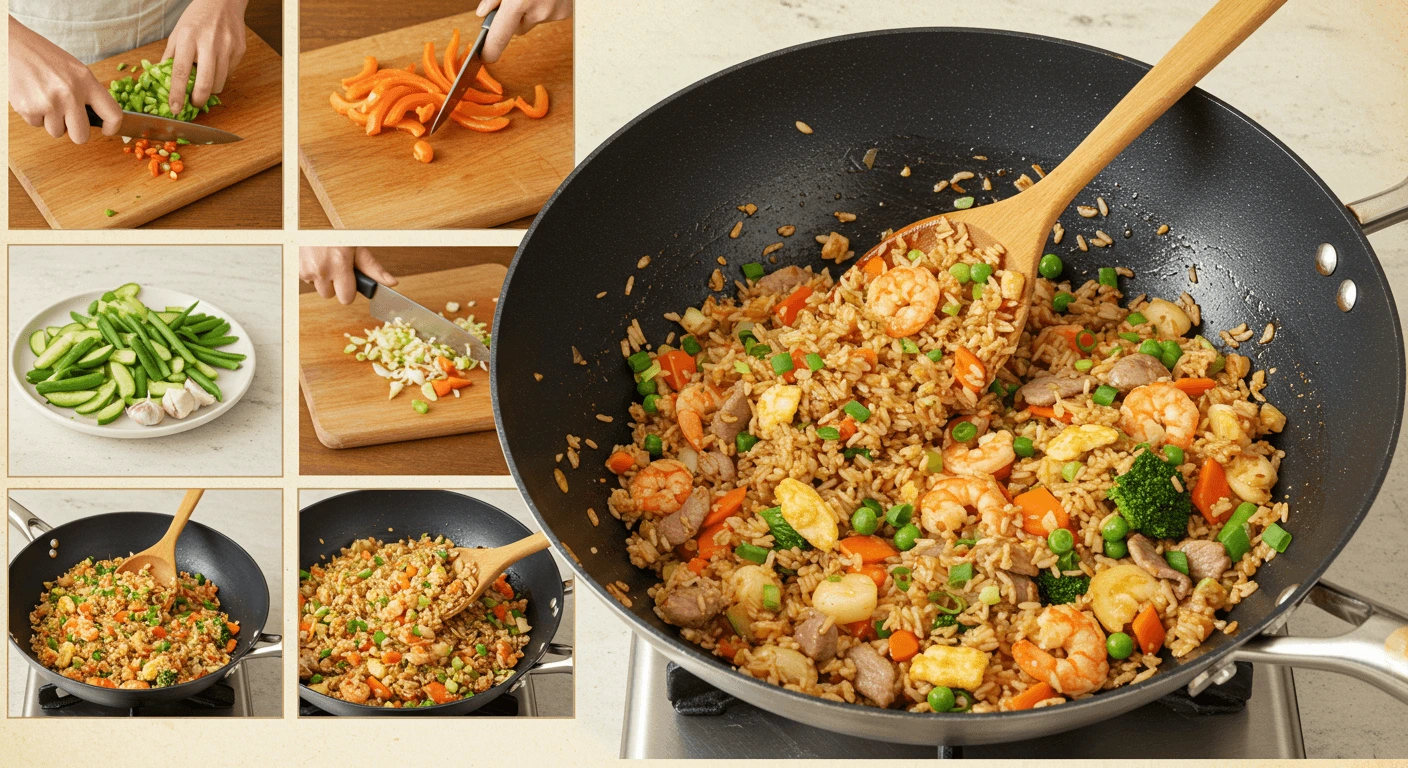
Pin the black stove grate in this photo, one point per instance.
(506, 705)
(218, 696)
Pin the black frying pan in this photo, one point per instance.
(244, 594)
(331, 524)
(1244, 209)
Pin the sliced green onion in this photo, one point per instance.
(781, 363)
(752, 270)
(935, 354)
(1104, 394)
(991, 594)
(933, 462)
(639, 361)
(1176, 560)
(744, 442)
(741, 367)
(856, 411)
(690, 345)
(977, 291)
(960, 574)
(909, 347)
(964, 431)
(1084, 365)
(772, 598)
(899, 515)
(851, 453)
(1276, 537)
(751, 552)
(1130, 336)
(828, 433)
(814, 362)
(1135, 318)
(1069, 470)
(760, 351)
(951, 310)
(1109, 277)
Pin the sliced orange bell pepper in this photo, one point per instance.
(409, 125)
(1032, 696)
(1039, 507)
(1212, 487)
(439, 694)
(368, 69)
(502, 586)
(1194, 387)
(539, 107)
(432, 70)
(397, 76)
(343, 105)
(497, 109)
(476, 96)
(1149, 630)
(621, 462)
(799, 361)
(452, 62)
(787, 309)
(480, 125)
(484, 80)
(969, 370)
(409, 102)
(872, 549)
(382, 107)
(707, 547)
(677, 367)
(725, 506)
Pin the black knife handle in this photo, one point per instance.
(93, 119)
(365, 285)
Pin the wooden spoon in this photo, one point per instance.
(490, 563)
(1021, 223)
(161, 556)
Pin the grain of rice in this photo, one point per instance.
(905, 172)
(601, 295)
(1087, 211)
(987, 184)
(643, 262)
(1081, 244)
(560, 478)
(1057, 232)
(786, 230)
(1041, 174)
(737, 230)
(843, 216)
(537, 376)
(939, 187)
(1268, 334)
(772, 248)
(1193, 274)
(630, 283)
(1023, 182)
(1103, 206)
(804, 128)
(748, 209)
(604, 418)
(1163, 229)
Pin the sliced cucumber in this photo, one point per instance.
(79, 317)
(127, 291)
(158, 388)
(170, 310)
(109, 414)
(169, 317)
(108, 296)
(135, 307)
(178, 365)
(71, 327)
(104, 396)
(207, 371)
(179, 378)
(52, 330)
(161, 350)
(125, 356)
(70, 399)
(96, 357)
(91, 325)
(38, 340)
(56, 349)
(122, 376)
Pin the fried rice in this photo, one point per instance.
(839, 497)
(125, 630)
(373, 626)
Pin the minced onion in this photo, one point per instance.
(398, 354)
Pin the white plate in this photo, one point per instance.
(233, 384)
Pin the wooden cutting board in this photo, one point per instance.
(476, 179)
(348, 401)
(73, 184)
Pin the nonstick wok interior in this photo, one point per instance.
(244, 594)
(1243, 209)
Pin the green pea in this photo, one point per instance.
(1116, 549)
(1050, 266)
(1119, 645)
(1115, 529)
(941, 698)
(1174, 455)
(864, 521)
(980, 272)
(1151, 348)
(964, 431)
(1062, 301)
(1061, 541)
(1022, 446)
(906, 536)
(961, 273)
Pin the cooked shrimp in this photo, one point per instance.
(135, 684)
(354, 690)
(1085, 665)
(415, 634)
(1158, 413)
(392, 609)
(661, 487)
(904, 299)
(945, 507)
(694, 403)
(992, 453)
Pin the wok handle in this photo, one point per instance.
(560, 666)
(1382, 209)
(272, 647)
(26, 522)
(1375, 651)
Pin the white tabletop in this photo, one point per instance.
(1326, 78)
(242, 280)
(252, 518)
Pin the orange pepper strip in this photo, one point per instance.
(483, 79)
(472, 109)
(409, 102)
(539, 107)
(482, 126)
(677, 365)
(479, 97)
(1194, 387)
(1040, 507)
(1030, 697)
(397, 76)
(409, 125)
(969, 370)
(343, 106)
(1149, 630)
(1212, 487)
(621, 462)
(382, 107)
(426, 112)
(1048, 412)
(432, 70)
(903, 645)
(368, 69)
(707, 547)
(452, 63)
(872, 549)
(875, 571)
(787, 309)
(724, 507)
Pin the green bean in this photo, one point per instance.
(139, 377)
(216, 332)
(147, 358)
(110, 333)
(176, 343)
(204, 325)
(181, 318)
(204, 355)
(205, 383)
(233, 357)
(220, 341)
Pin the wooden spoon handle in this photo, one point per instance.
(183, 515)
(1215, 35)
(524, 547)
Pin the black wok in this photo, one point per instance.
(1244, 209)
(329, 525)
(244, 594)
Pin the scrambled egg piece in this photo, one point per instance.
(951, 666)
(1076, 440)
(807, 513)
(777, 406)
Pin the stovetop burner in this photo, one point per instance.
(506, 705)
(1254, 715)
(229, 697)
(218, 696)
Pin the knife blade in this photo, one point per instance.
(388, 305)
(139, 125)
(464, 78)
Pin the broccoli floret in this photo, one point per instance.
(945, 620)
(1149, 500)
(224, 633)
(165, 677)
(1055, 590)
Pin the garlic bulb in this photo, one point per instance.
(178, 403)
(202, 397)
(145, 412)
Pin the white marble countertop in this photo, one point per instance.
(253, 518)
(242, 280)
(1327, 78)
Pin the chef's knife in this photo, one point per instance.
(139, 125)
(388, 305)
(464, 78)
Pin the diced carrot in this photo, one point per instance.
(230, 646)
(1040, 509)
(158, 632)
(1068, 332)
(1149, 630)
(438, 694)
(177, 166)
(366, 555)
(725, 506)
(726, 649)
(698, 564)
(378, 689)
(539, 107)
(169, 146)
(872, 549)
(502, 586)
(306, 626)
(365, 646)
(787, 309)
(1030, 697)
(154, 165)
(1049, 412)
(128, 150)
(621, 462)
(121, 617)
(677, 366)
(863, 630)
(391, 657)
(354, 658)
(445, 364)
(101, 682)
(848, 428)
(484, 80)
(799, 361)
(903, 645)
(479, 125)
(411, 571)
(707, 547)
(233, 627)
(969, 370)
(501, 611)
(441, 387)
(1211, 487)
(875, 571)
(457, 382)
(868, 355)
(1004, 472)
(1194, 387)
(873, 266)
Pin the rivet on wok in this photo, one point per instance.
(53, 553)
(1326, 259)
(54, 543)
(1346, 295)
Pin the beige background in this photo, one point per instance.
(1328, 78)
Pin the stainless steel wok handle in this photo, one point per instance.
(25, 521)
(1375, 651)
(273, 647)
(554, 667)
(1382, 209)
